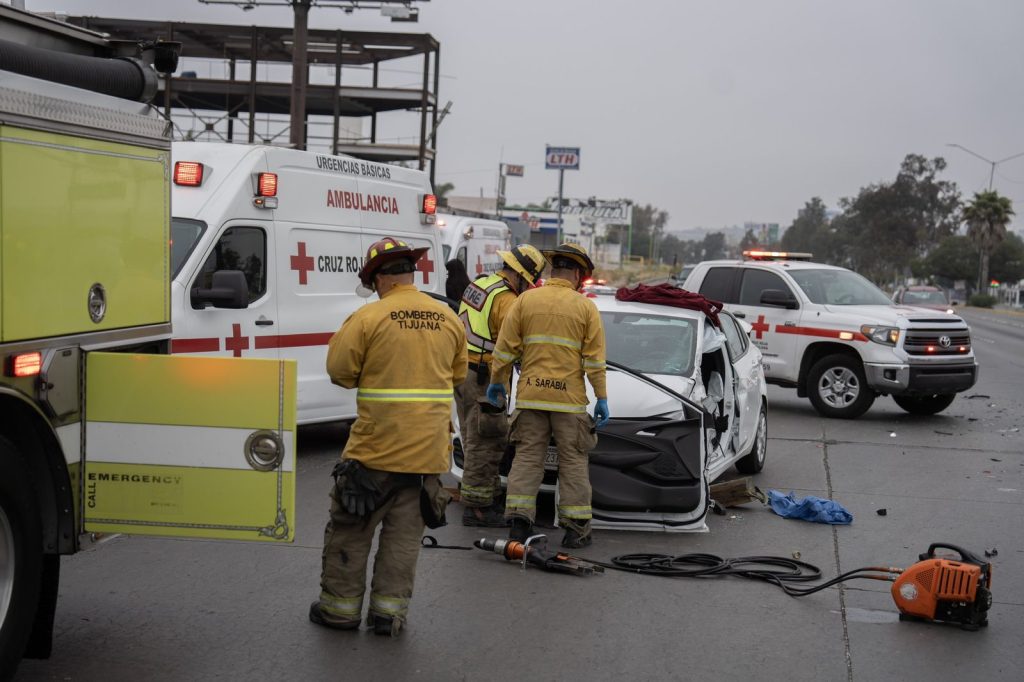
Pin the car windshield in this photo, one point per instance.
(651, 344)
(185, 235)
(924, 298)
(838, 287)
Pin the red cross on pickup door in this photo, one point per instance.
(760, 326)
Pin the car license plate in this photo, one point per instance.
(551, 458)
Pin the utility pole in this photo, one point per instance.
(992, 164)
(300, 74)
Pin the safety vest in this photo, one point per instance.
(475, 311)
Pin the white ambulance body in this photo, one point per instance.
(474, 241)
(300, 248)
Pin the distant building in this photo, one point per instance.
(586, 221)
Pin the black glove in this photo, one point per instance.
(357, 490)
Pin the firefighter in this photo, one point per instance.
(405, 354)
(557, 336)
(484, 428)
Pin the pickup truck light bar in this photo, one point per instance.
(776, 255)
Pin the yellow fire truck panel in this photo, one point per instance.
(190, 447)
(108, 265)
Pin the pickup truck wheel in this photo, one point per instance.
(21, 557)
(837, 387)
(753, 462)
(924, 404)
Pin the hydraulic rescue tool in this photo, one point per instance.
(538, 555)
(935, 589)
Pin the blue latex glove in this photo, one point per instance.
(496, 395)
(601, 413)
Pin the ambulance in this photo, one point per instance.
(267, 246)
(475, 242)
(101, 430)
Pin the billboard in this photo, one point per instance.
(562, 158)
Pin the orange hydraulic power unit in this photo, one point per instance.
(939, 589)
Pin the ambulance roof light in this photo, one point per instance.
(266, 185)
(429, 204)
(776, 255)
(188, 173)
(25, 364)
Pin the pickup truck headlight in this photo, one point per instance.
(887, 336)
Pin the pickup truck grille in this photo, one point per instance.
(929, 342)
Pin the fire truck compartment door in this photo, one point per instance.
(199, 447)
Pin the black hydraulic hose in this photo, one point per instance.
(125, 78)
(780, 571)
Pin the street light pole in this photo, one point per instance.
(993, 164)
(300, 33)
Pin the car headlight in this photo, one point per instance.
(887, 336)
(949, 311)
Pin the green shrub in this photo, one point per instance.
(982, 301)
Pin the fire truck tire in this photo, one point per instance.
(924, 404)
(837, 387)
(753, 462)
(21, 557)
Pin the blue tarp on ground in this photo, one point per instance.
(809, 508)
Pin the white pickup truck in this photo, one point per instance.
(836, 338)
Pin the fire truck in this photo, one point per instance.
(102, 431)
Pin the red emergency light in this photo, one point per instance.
(429, 204)
(188, 173)
(266, 184)
(25, 364)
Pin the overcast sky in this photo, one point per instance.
(718, 112)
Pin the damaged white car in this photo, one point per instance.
(688, 400)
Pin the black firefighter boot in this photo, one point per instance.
(521, 529)
(486, 517)
(576, 534)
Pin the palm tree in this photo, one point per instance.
(986, 217)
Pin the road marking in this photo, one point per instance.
(982, 338)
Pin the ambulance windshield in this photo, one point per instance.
(651, 344)
(838, 287)
(185, 235)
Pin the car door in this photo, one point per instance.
(251, 332)
(773, 325)
(746, 369)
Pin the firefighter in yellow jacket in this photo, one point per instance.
(484, 428)
(404, 354)
(557, 336)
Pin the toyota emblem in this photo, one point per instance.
(945, 341)
(97, 302)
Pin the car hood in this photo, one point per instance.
(892, 315)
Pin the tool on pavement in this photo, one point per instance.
(529, 553)
(938, 589)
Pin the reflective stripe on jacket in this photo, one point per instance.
(482, 311)
(404, 354)
(557, 335)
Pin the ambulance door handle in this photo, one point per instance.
(264, 323)
(742, 316)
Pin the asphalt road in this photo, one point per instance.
(138, 608)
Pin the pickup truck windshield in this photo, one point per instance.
(651, 344)
(185, 235)
(838, 287)
(924, 298)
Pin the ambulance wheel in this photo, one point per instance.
(837, 387)
(753, 462)
(924, 404)
(21, 558)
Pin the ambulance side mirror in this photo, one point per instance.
(228, 289)
(777, 297)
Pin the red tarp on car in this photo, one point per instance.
(666, 294)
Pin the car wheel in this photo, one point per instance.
(837, 387)
(753, 462)
(924, 404)
(21, 558)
